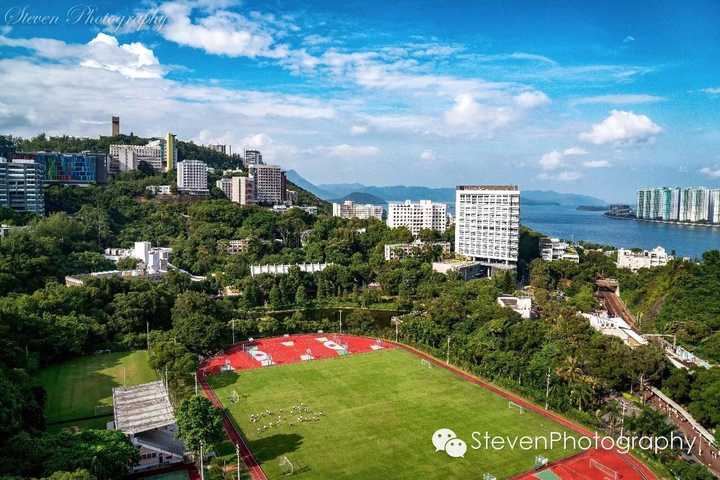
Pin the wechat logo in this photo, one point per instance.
(445, 440)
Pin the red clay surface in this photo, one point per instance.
(576, 467)
(589, 465)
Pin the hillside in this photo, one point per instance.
(361, 197)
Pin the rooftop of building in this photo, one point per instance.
(142, 407)
(488, 187)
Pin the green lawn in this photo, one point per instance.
(382, 409)
(74, 388)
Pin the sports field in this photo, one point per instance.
(373, 415)
(82, 388)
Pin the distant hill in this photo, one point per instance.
(443, 194)
(361, 197)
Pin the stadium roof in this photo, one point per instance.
(142, 407)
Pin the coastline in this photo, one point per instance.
(667, 222)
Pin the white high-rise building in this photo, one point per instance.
(252, 157)
(714, 195)
(694, 204)
(417, 216)
(225, 184)
(487, 223)
(349, 209)
(270, 183)
(192, 177)
(243, 190)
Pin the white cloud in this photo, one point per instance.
(619, 99)
(622, 126)
(467, 112)
(220, 32)
(258, 140)
(551, 160)
(531, 99)
(712, 90)
(132, 60)
(596, 164)
(628, 39)
(358, 130)
(712, 172)
(574, 151)
(348, 151)
(427, 155)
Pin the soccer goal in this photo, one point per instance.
(425, 363)
(286, 466)
(607, 472)
(515, 406)
(489, 476)
(540, 461)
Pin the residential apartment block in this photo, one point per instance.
(555, 249)
(270, 183)
(691, 205)
(417, 216)
(21, 185)
(192, 177)
(396, 251)
(631, 260)
(349, 209)
(487, 223)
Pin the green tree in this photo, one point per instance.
(199, 422)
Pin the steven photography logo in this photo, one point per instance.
(447, 441)
(88, 15)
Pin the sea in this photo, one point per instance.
(566, 222)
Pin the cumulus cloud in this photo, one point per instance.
(712, 172)
(622, 127)
(132, 60)
(556, 159)
(628, 39)
(531, 99)
(712, 90)
(596, 164)
(468, 112)
(564, 176)
(358, 130)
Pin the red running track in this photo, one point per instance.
(289, 349)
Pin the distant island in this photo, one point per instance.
(592, 208)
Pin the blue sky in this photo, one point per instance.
(556, 95)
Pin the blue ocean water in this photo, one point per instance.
(568, 223)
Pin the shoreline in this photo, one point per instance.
(667, 222)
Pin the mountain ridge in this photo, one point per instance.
(395, 193)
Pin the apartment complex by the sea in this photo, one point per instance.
(675, 204)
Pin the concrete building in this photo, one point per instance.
(695, 205)
(520, 305)
(159, 189)
(124, 158)
(487, 224)
(21, 185)
(467, 269)
(6, 229)
(234, 247)
(192, 177)
(417, 216)
(226, 149)
(284, 269)
(555, 249)
(252, 157)
(270, 183)
(225, 184)
(145, 415)
(242, 190)
(115, 126)
(634, 261)
(349, 209)
(152, 259)
(396, 251)
(170, 152)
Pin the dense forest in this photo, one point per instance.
(43, 322)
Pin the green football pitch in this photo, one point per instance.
(82, 388)
(379, 413)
